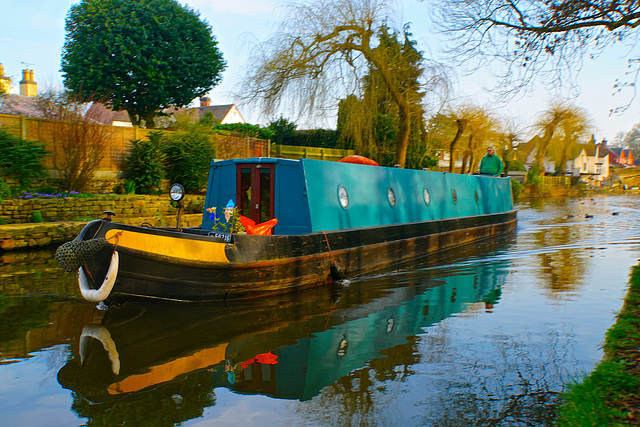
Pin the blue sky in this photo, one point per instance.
(32, 36)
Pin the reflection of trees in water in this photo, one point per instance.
(443, 379)
(167, 405)
(561, 269)
(35, 272)
(503, 380)
(357, 398)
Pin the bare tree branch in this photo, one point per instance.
(538, 40)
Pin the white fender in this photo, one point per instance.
(102, 334)
(97, 295)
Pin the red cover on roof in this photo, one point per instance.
(361, 160)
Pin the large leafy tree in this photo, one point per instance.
(322, 53)
(534, 37)
(139, 55)
(373, 123)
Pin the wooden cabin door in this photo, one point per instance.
(255, 191)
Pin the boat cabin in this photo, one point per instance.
(313, 195)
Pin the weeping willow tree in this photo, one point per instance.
(372, 123)
(468, 130)
(561, 125)
(323, 51)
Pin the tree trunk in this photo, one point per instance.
(465, 167)
(544, 144)
(148, 119)
(452, 146)
(133, 118)
(402, 141)
(472, 162)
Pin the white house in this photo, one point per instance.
(222, 113)
(591, 165)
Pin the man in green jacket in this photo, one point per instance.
(491, 164)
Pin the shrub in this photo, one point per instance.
(243, 130)
(36, 216)
(129, 187)
(47, 190)
(21, 160)
(188, 155)
(81, 142)
(516, 189)
(5, 190)
(514, 165)
(533, 179)
(144, 164)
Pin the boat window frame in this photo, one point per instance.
(391, 197)
(426, 196)
(256, 169)
(346, 193)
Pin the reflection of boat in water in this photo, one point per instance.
(287, 347)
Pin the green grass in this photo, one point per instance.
(608, 396)
(594, 401)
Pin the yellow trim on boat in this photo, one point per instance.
(175, 247)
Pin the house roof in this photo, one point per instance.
(525, 150)
(220, 112)
(101, 114)
(591, 151)
(614, 151)
(21, 105)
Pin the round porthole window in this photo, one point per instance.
(477, 198)
(391, 195)
(343, 196)
(426, 195)
(455, 196)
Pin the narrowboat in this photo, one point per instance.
(306, 223)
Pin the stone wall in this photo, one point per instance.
(53, 209)
(31, 235)
(64, 218)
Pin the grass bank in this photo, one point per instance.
(610, 395)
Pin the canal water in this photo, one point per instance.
(486, 334)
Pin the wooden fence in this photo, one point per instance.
(295, 152)
(556, 181)
(118, 141)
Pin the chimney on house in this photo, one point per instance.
(5, 82)
(205, 101)
(28, 87)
